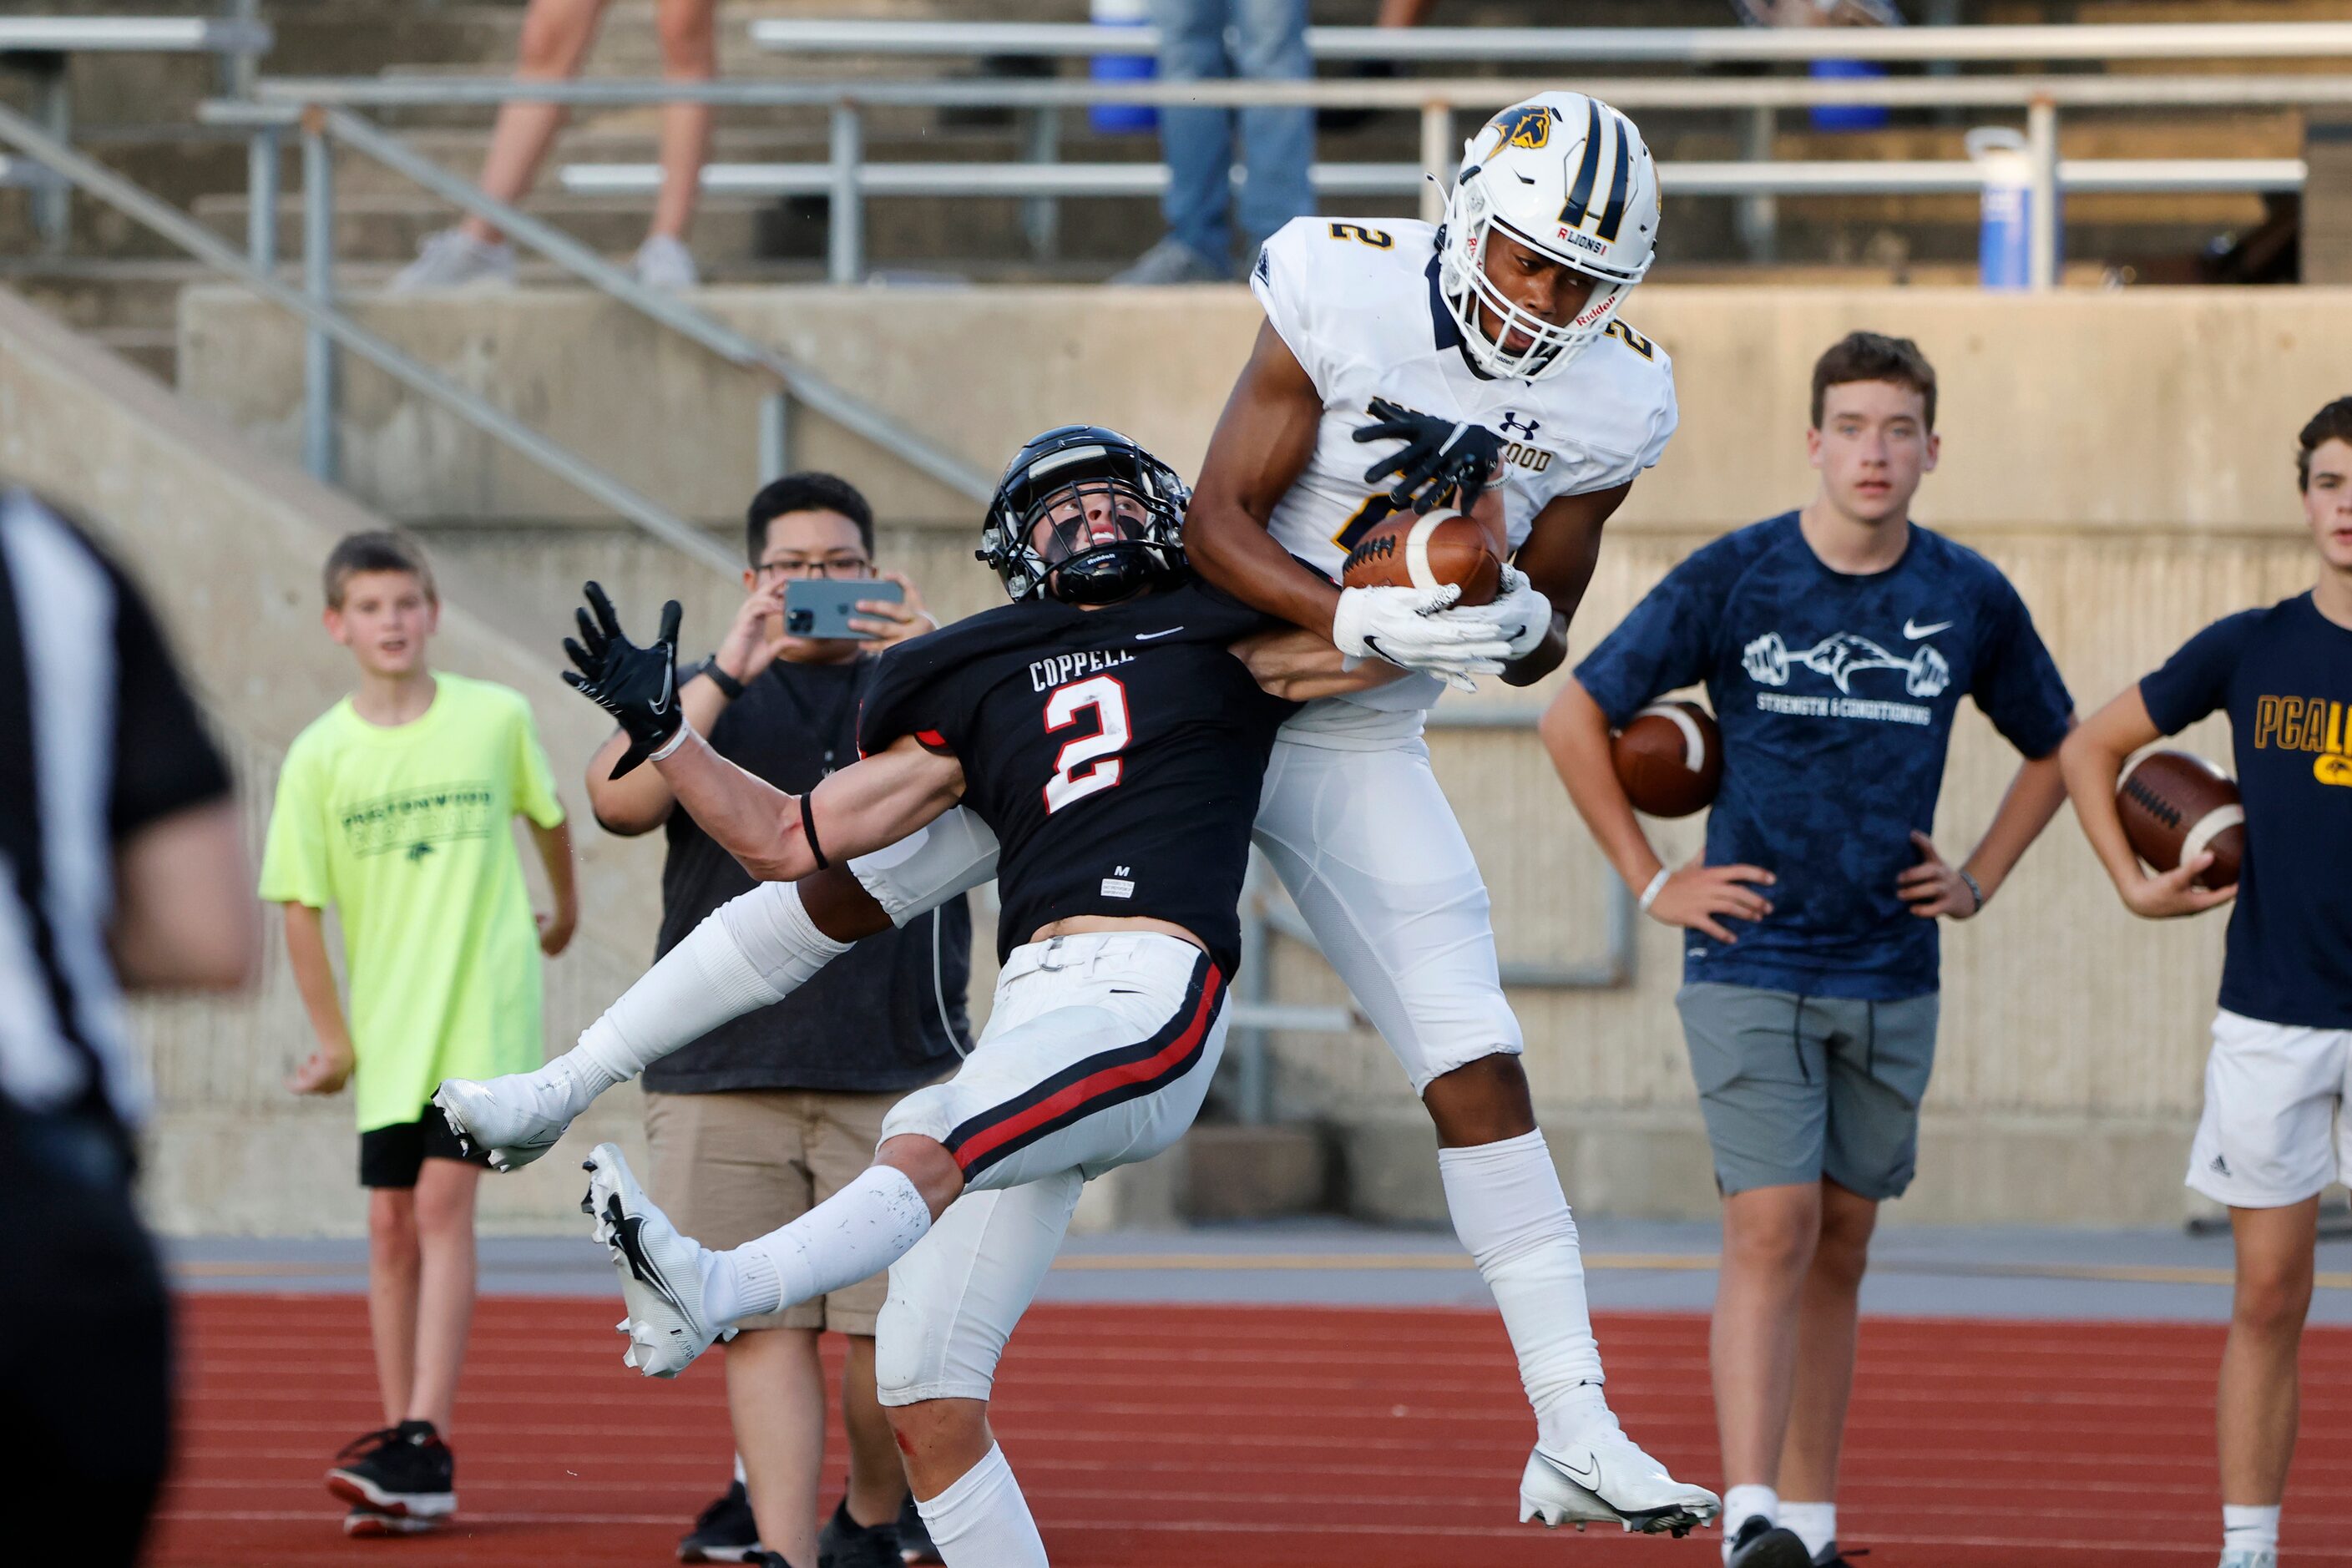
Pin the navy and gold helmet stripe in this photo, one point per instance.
(1579, 197)
(1588, 174)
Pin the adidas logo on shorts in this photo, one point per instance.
(2221, 1166)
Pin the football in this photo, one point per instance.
(1670, 759)
(1427, 553)
(2177, 805)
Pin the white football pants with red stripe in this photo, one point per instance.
(1098, 1053)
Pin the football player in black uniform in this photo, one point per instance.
(1112, 726)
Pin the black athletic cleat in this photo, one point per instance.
(405, 1472)
(845, 1544)
(723, 1532)
(1760, 1543)
(915, 1536)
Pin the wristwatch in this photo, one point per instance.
(726, 683)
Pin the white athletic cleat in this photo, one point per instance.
(517, 1118)
(2250, 1557)
(661, 1277)
(1603, 1478)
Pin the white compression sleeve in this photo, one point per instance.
(1509, 1211)
(858, 1232)
(700, 984)
(983, 1520)
(778, 939)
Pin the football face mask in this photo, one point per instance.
(1093, 537)
(1566, 178)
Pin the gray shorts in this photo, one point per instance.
(1797, 1088)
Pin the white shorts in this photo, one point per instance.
(1098, 1053)
(1366, 842)
(2274, 1131)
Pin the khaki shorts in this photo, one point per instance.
(730, 1167)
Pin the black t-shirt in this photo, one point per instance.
(2285, 674)
(99, 738)
(870, 1021)
(1116, 752)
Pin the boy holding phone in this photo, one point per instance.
(764, 1117)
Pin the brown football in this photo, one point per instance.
(1670, 759)
(2175, 806)
(1426, 553)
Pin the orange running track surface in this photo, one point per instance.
(1257, 1437)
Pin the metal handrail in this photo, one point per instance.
(1668, 46)
(2212, 92)
(665, 307)
(1435, 100)
(324, 320)
(140, 35)
(1891, 177)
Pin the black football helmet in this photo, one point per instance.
(1073, 464)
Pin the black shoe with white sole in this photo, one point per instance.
(845, 1544)
(723, 1532)
(915, 1536)
(405, 1472)
(1760, 1543)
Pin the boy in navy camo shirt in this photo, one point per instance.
(1835, 644)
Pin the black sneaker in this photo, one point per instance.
(723, 1532)
(1760, 1543)
(405, 1471)
(913, 1535)
(845, 1544)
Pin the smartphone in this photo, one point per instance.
(822, 607)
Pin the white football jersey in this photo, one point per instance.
(1357, 302)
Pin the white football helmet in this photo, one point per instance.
(1570, 177)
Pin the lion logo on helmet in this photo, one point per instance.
(1528, 126)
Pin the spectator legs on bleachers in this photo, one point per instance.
(1269, 43)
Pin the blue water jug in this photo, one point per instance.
(1122, 119)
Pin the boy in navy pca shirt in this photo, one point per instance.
(1836, 643)
(2273, 1133)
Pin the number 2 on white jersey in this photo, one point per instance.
(1090, 763)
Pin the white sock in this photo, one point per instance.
(1815, 1523)
(983, 1520)
(1743, 1503)
(1510, 1212)
(858, 1232)
(2249, 1528)
(740, 1480)
(700, 984)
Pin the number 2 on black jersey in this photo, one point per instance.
(1091, 763)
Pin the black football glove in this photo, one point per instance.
(1440, 457)
(637, 686)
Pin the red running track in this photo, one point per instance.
(1259, 1437)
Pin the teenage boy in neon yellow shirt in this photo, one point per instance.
(393, 807)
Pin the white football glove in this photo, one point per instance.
(1418, 629)
(1522, 612)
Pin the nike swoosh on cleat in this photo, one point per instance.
(1913, 630)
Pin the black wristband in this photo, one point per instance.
(808, 831)
(728, 685)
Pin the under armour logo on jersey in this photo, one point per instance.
(1520, 429)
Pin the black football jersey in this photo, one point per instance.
(1116, 752)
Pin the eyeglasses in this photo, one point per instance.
(828, 566)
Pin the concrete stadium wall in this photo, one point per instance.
(2124, 458)
(227, 542)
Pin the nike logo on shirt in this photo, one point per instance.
(1913, 630)
(1146, 636)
